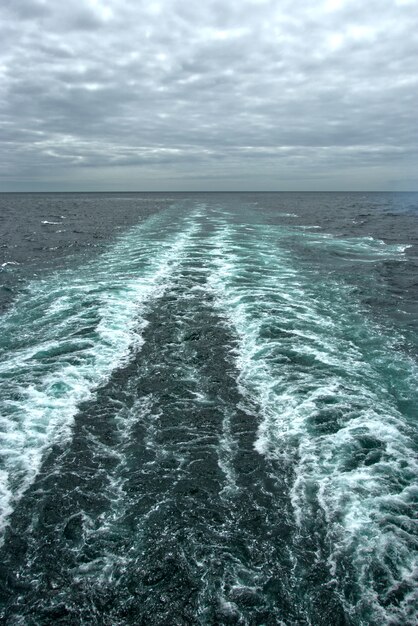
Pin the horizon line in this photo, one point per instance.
(216, 191)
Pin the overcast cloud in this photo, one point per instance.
(232, 94)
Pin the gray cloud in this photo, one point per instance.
(241, 93)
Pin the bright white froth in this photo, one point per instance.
(76, 328)
(328, 384)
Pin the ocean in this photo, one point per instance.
(209, 409)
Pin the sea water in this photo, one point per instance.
(208, 409)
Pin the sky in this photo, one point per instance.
(210, 95)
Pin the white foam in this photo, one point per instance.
(320, 355)
(43, 387)
(369, 247)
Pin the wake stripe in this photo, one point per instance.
(77, 327)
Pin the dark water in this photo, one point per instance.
(209, 409)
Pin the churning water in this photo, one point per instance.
(208, 409)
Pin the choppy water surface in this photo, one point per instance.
(210, 417)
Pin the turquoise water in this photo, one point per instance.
(212, 421)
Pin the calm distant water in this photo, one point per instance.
(209, 409)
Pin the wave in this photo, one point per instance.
(368, 249)
(268, 421)
(77, 327)
(336, 402)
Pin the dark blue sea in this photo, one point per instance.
(209, 409)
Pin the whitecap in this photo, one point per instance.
(107, 299)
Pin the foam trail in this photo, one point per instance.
(75, 328)
(366, 248)
(252, 460)
(336, 400)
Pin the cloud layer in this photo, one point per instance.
(238, 94)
